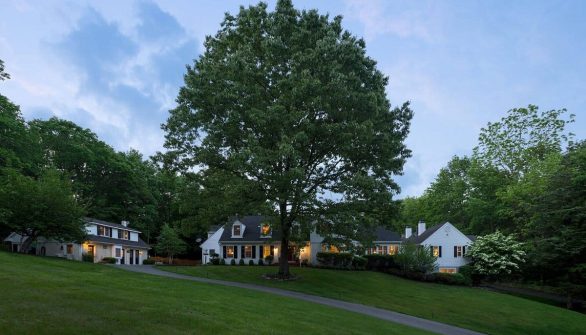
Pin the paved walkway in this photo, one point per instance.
(428, 325)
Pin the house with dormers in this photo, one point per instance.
(447, 243)
(103, 239)
(251, 238)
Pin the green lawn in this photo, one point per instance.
(51, 296)
(472, 308)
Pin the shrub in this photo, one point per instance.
(305, 262)
(222, 261)
(416, 258)
(269, 259)
(251, 262)
(448, 278)
(260, 262)
(359, 263)
(87, 258)
(109, 260)
(215, 259)
(468, 272)
(378, 262)
(148, 261)
(241, 262)
(233, 262)
(342, 260)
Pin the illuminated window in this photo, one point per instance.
(447, 270)
(393, 249)
(436, 251)
(248, 251)
(265, 230)
(266, 251)
(123, 234)
(236, 230)
(104, 231)
(230, 251)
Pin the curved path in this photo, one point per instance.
(404, 319)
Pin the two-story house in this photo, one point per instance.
(103, 239)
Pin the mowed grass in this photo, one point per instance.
(50, 296)
(471, 308)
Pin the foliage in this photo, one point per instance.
(148, 261)
(260, 262)
(108, 260)
(358, 263)
(379, 262)
(169, 243)
(522, 137)
(3, 74)
(269, 259)
(241, 261)
(40, 207)
(415, 258)
(222, 261)
(450, 279)
(87, 258)
(336, 260)
(496, 255)
(251, 262)
(233, 262)
(289, 104)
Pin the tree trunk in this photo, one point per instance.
(283, 258)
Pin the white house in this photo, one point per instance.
(251, 238)
(447, 243)
(103, 239)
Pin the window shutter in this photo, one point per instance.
(464, 251)
(224, 252)
(261, 251)
(440, 251)
(272, 250)
(235, 251)
(242, 255)
(254, 251)
(455, 251)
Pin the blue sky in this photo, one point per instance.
(116, 66)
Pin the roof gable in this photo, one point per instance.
(431, 231)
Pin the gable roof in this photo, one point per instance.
(109, 224)
(382, 234)
(427, 233)
(251, 232)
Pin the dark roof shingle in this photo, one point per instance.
(251, 232)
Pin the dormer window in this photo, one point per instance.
(265, 230)
(236, 230)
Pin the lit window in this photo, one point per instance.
(248, 251)
(394, 249)
(265, 230)
(123, 234)
(436, 251)
(266, 251)
(236, 230)
(447, 270)
(230, 251)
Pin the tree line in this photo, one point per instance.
(525, 177)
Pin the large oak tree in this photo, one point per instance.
(289, 103)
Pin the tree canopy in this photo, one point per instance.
(288, 103)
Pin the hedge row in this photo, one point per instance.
(341, 261)
(381, 263)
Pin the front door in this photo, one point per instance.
(136, 257)
(123, 256)
(90, 250)
(130, 256)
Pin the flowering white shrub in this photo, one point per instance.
(496, 254)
